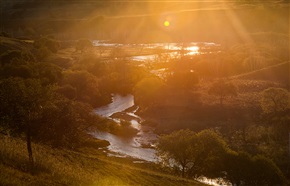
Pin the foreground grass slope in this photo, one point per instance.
(82, 167)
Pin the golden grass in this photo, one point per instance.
(87, 167)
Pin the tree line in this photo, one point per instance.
(206, 153)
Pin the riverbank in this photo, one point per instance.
(84, 166)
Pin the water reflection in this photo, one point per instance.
(127, 146)
(134, 146)
(173, 49)
(119, 103)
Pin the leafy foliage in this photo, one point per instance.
(207, 154)
(197, 154)
(21, 102)
(21, 107)
(49, 117)
(85, 84)
(64, 123)
(177, 148)
(16, 56)
(47, 42)
(148, 90)
(241, 168)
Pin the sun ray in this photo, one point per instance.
(237, 25)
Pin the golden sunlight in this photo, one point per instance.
(193, 50)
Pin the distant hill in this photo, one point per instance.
(277, 73)
(142, 21)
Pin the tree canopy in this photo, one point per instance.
(196, 153)
(179, 147)
(148, 90)
(275, 100)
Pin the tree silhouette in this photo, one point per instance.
(21, 107)
(178, 147)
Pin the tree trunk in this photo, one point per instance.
(29, 149)
(183, 170)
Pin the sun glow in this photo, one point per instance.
(166, 23)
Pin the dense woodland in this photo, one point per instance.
(223, 113)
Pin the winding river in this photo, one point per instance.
(138, 146)
(132, 147)
(124, 146)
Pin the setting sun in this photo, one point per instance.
(166, 23)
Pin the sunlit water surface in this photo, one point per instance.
(173, 49)
(123, 145)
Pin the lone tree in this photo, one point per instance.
(21, 106)
(223, 89)
(275, 100)
(177, 147)
(209, 154)
(195, 153)
(27, 107)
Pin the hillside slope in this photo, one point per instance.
(277, 73)
(87, 166)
